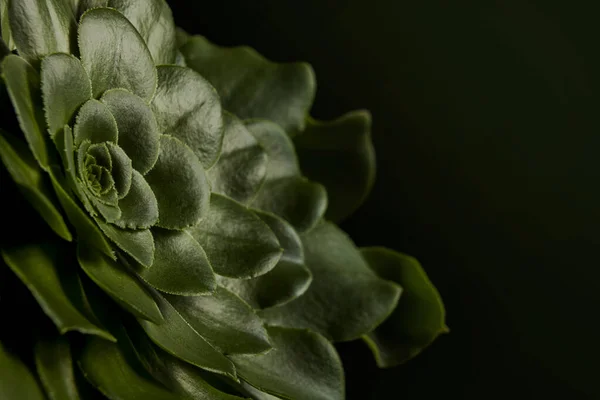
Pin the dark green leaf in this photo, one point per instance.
(346, 299)
(106, 368)
(139, 209)
(154, 22)
(114, 54)
(41, 27)
(95, 123)
(65, 87)
(242, 166)
(178, 338)
(23, 84)
(121, 171)
(87, 230)
(187, 107)
(250, 86)
(119, 284)
(288, 280)
(237, 242)
(55, 368)
(419, 317)
(27, 175)
(179, 184)
(284, 192)
(226, 322)
(138, 131)
(339, 154)
(257, 394)
(139, 244)
(315, 373)
(180, 265)
(17, 381)
(38, 268)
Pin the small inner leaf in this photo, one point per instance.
(187, 107)
(95, 123)
(139, 209)
(237, 242)
(179, 184)
(122, 169)
(115, 55)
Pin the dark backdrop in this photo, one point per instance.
(486, 127)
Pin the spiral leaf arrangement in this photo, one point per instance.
(172, 244)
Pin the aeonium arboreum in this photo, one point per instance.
(171, 245)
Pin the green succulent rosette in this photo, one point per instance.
(173, 241)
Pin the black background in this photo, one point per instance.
(486, 126)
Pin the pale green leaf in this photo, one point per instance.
(187, 107)
(180, 265)
(65, 87)
(138, 131)
(106, 368)
(95, 123)
(315, 373)
(237, 242)
(5, 26)
(139, 209)
(119, 284)
(17, 381)
(23, 85)
(115, 55)
(226, 322)
(54, 365)
(346, 298)
(30, 179)
(42, 27)
(284, 191)
(288, 280)
(250, 86)
(242, 166)
(39, 268)
(121, 171)
(340, 155)
(178, 338)
(419, 317)
(154, 21)
(139, 244)
(179, 184)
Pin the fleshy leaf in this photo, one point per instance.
(154, 22)
(55, 368)
(340, 155)
(139, 244)
(65, 87)
(180, 265)
(119, 284)
(121, 171)
(346, 299)
(41, 27)
(237, 242)
(87, 230)
(139, 209)
(178, 338)
(17, 381)
(179, 184)
(187, 107)
(95, 123)
(106, 368)
(23, 84)
(5, 26)
(242, 166)
(284, 192)
(27, 175)
(250, 86)
(183, 378)
(288, 280)
(315, 374)
(419, 317)
(138, 131)
(37, 267)
(225, 321)
(115, 55)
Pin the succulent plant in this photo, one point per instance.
(170, 239)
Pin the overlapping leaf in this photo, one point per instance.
(17, 380)
(54, 364)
